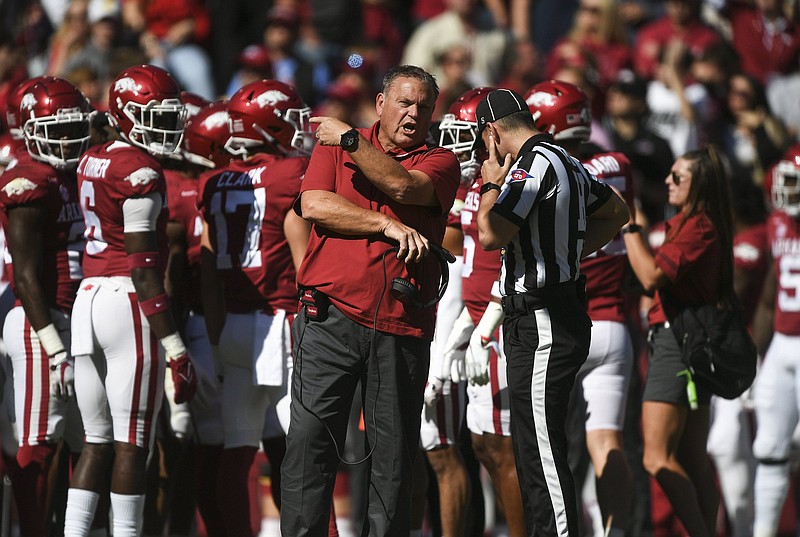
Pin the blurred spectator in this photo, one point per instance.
(380, 29)
(71, 37)
(341, 102)
(679, 108)
(254, 64)
(237, 23)
(596, 29)
(280, 41)
(33, 35)
(455, 64)
(458, 25)
(753, 138)
(523, 67)
(635, 13)
(713, 68)
(782, 93)
(549, 21)
(87, 80)
(650, 155)
(681, 23)
(104, 29)
(12, 70)
(767, 42)
(169, 32)
(422, 10)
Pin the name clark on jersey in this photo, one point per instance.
(234, 179)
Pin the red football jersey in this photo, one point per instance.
(109, 174)
(783, 233)
(244, 206)
(35, 182)
(481, 268)
(182, 208)
(751, 253)
(605, 269)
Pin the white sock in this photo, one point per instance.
(128, 512)
(345, 527)
(81, 505)
(772, 482)
(270, 527)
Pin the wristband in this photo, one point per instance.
(173, 345)
(486, 187)
(631, 228)
(50, 340)
(142, 260)
(492, 317)
(154, 305)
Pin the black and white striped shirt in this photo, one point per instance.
(549, 195)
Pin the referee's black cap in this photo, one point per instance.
(496, 105)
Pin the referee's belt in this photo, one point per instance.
(536, 299)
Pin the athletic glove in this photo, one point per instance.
(183, 378)
(62, 376)
(477, 357)
(451, 363)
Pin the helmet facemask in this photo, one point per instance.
(459, 136)
(786, 188)
(58, 140)
(157, 126)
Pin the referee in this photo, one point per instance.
(548, 212)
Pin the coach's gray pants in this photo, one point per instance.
(331, 356)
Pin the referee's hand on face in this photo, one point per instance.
(492, 170)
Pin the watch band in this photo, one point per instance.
(632, 228)
(486, 187)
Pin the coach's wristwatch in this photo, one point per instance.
(349, 140)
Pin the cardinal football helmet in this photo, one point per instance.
(561, 109)
(144, 105)
(269, 112)
(205, 136)
(54, 116)
(193, 103)
(786, 183)
(459, 130)
(12, 105)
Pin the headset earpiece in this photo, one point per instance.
(408, 293)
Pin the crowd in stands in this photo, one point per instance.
(664, 78)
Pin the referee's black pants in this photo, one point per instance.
(331, 356)
(546, 342)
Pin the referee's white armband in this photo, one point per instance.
(50, 340)
(141, 214)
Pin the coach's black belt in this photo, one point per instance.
(537, 299)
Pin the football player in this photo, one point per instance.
(44, 230)
(488, 411)
(122, 311)
(251, 243)
(776, 332)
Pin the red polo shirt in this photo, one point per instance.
(654, 37)
(350, 270)
(691, 262)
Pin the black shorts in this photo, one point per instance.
(663, 383)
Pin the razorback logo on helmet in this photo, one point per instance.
(271, 98)
(126, 84)
(28, 101)
(17, 186)
(540, 98)
(217, 119)
(142, 176)
(520, 175)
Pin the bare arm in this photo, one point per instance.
(212, 292)
(297, 231)
(404, 186)
(643, 262)
(25, 235)
(765, 314)
(332, 211)
(604, 223)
